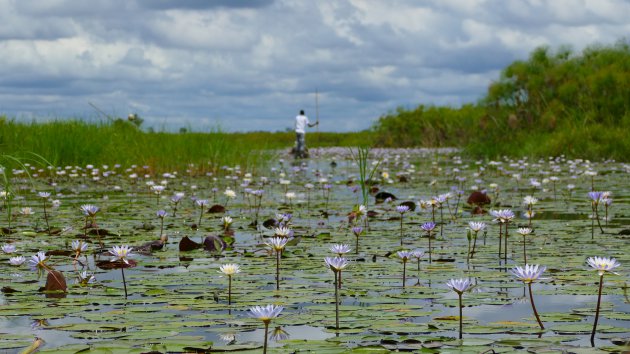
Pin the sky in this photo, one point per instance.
(247, 65)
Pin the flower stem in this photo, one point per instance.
(531, 299)
(229, 290)
(506, 243)
(599, 224)
(500, 238)
(430, 260)
(404, 273)
(524, 250)
(599, 301)
(46, 218)
(336, 301)
(277, 270)
(266, 334)
(460, 315)
(401, 230)
(122, 270)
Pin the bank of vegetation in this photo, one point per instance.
(557, 102)
(117, 141)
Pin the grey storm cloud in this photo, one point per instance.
(251, 65)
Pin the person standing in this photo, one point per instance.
(301, 122)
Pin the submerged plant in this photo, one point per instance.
(528, 275)
(459, 286)
(602, 265)
(265, 314)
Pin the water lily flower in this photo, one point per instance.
(530, 201)
(336, 264)
(8, 248)
(340, 250)
(202, 203)
(528, 275)
(38, 262)
(89, 210)
(459, 286)
(226, 221)
(17, 261)
(602, 265)
(26, 211)
(429, 227)
(404, 256)
(265, 314)
(282, 232)
(477, 226)
(120, 253)
(277, 244)
(230, 269)
(79, 247)
(230, 193)
(402, 209)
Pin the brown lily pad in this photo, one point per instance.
(55, 281)
(478, 198)
(216, 209)
(107, 265)
(186, 244)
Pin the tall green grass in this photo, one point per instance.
(76, 142)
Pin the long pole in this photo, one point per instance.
(317, 116)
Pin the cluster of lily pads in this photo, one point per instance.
(271, 234)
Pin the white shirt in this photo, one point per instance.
(300, 123)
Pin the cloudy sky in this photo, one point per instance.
(252, 64)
